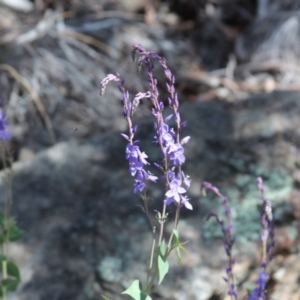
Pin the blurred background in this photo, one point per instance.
(237, 70)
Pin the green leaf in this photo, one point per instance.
(10, 230)
(178, 248)
(10, 284)
(176, 233)
(162, 248)
(13, 270)
(2, 238)
(2, 258)
(179, 260)
(249, 288)
(104, 297)
(2, 291)
(163, 268)
(135, 291)
(15, 233)
(176, 237)
(2, 219)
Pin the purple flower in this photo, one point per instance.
(232, 291)
(176, 154)
(151, 177)
(138, 186)
(268, 243)
(228, 237)
(166, 136)
(136, 158)
(137, 161)
(106, 80)
(259, 292)
(185, 140)
(175, 191)
(186, 180)
(186, 203)
(135, 165)
(4, 133)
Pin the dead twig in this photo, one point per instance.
(118, 14)
(41, 28)
(88, 40)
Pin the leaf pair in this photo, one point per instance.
(135, 291)
(9, 230)
(162, 263)
(13, 279)
(178, 245)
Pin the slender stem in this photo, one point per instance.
(149, 285)
(154, 239)
(175, 227)
(154, 275)
(152, 254)
(145, 201)
(7, 203)
(162, 222)
(4, 274)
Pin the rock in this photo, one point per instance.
(271, 38)
(25, 154)
(19, 5)
(84, 234)
(133, 5)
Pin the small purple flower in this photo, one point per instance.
(268, 243)
(233, 291)
(166, 136)
(151, 177)
(136, 158)
(185, 140)
(176, 154)
(168, 201)
(175, 191)
(4, 133)
(135, 166)
(106, 80)
(137, 161)
(186, 203)
(259, 292)
(228, 237)
(138, 186)
(132, 151)
(186, 180)
(171, 175)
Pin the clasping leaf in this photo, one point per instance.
(163, 265)
(135, 291)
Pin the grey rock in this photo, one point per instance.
(85, 234)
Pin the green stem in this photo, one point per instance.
(153, 277)
(7, 205)
(169, 249)
(4, 274)
(153, 229)
(162, 222)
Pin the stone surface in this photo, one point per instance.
(85, 234)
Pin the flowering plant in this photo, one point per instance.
(169, 141)
(9, 231)
(267, 238)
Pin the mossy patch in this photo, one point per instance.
(245, 204)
